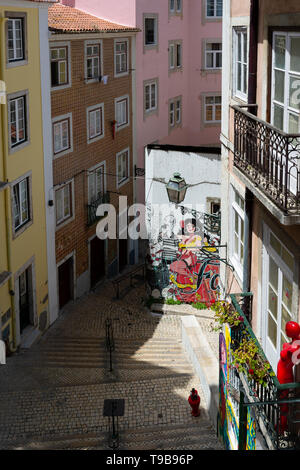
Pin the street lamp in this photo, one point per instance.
(176, 188)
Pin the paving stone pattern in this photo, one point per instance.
(52, 395)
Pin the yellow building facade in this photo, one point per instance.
(24, 151)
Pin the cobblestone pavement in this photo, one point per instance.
(52, 395)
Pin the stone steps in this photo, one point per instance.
(197, 435)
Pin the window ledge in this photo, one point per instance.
(3, 185)
(4, 277)
(19, 231)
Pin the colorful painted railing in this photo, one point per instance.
(271, 403)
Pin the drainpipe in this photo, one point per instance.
(6, 190)
(252, 88)
(253, 42)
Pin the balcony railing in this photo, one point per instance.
(93, 206)
(271, 403)
(269, 158)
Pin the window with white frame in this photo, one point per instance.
(21, 204)
(61, 135)
(214, 8)
(59, 66)
(16, 39)
(93, 60)
(63, 203)
(121, 57)
(175, 55)
(17, 120)
(240, 64)
(213, 55)
(285, 112)
(175, 6)
(150, 92)
(150, 30)
(175, 112)
(96, 183)
(122, 111)
(212, 109)
(122, 167)
(237, 238)
(95, 122)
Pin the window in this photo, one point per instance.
(17, 120)
(21, 209)
(214, 8)
(237, 239)
(95, 122)
(62, 131)
(212, 109)
(150, 96)
(122, 167)
(175, 6)
(16, 39)
(175, 55)
(121, 57)
(93, 60)
(96, 187)
(285, 112)
(240, 65)
(122, 111)
(63, 203)
(278, 300)
(175, 112)
(213, 55)
(59, 66)
(150, 30)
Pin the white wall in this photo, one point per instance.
(202, 170)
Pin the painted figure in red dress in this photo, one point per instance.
(194, 277)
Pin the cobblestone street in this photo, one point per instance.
(52, 395)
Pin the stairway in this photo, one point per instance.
(66, 379)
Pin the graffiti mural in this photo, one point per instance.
(183, 260)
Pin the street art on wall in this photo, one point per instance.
(229, 385)
(183, 260)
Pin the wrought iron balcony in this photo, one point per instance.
(270, 404)
(93, 206)
(269, 158)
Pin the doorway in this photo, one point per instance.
(123, 254)
(25, 299)
(65, 281)
(97, 260)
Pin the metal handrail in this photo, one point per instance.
(130, 274)
(110, 344)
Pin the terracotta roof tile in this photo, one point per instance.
(67, 19)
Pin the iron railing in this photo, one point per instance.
(269, 158)
(271, 403)
(93, 206)
(109, 341)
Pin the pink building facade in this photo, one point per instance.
(177, 70)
